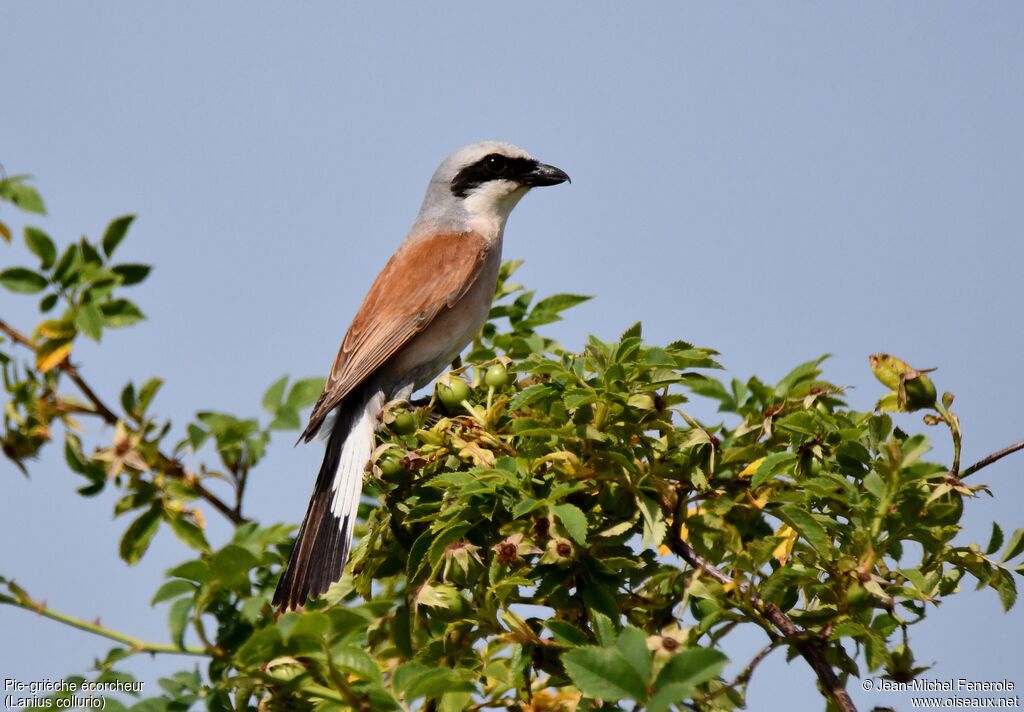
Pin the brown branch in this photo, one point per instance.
(109, 417)
(745, 674)
(16, 336)
(994, 457)
(810, 649)
(171, 466)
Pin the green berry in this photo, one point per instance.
(452, 391)
(404, 423)
(498, 376)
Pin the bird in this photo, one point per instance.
(432, 297)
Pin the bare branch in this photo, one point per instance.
(21, 600)
(994, 457)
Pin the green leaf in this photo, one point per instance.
(89, 321)
(115, 232)
(22, 280)
(287, 419)
(24, 196)
(566, 633)
(252, 609)
(188, 532)
(196, 570)
(313, 624)
(406, 674)
(118, 313)
(233, 560)
(68, 265)
(632, 643)
(304, 393)
(604, 673)
(41, 246)
(358, 661)
(128, 399)
(172, 589)
(131, 273)
(1006, 587)
(272, 398)
(634, 331)
(1014, 546)
(139, 534)
(682, 674)
(437, 681)
(602, 625)
(808, 527)
(574, 521)
(995, 541)
(774, 464)
(177, 619)
(559, 302)
(148, 392)
(655, 527)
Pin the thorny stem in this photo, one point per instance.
(811, 650)
(21, 600)
(171, 466)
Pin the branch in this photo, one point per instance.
(135, 644)
(811, 650)
(994, 457)
(745, 674)
(16, 336)
(171, 466)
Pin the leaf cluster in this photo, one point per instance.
(553, 530)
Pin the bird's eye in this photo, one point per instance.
(497, 164)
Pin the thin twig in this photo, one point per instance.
(811, 650)
(135, 644)
(994, 457)
(171, 466)
(745, 674)
(16, 336)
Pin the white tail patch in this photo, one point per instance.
(355, 454)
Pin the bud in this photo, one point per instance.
(914, 390)
(512, 548)
(888, 369)
(919, 392)
(559, 551)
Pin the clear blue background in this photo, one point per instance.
(776, 181)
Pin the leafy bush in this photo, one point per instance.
(552, 530)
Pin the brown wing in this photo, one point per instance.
(419, 281)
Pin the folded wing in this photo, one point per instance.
(423, 278)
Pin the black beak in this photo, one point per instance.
(543, 174)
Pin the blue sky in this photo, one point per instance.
(776, 182)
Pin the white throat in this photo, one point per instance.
(488, 206)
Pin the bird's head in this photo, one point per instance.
(479, 184)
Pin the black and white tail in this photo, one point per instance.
(325, 537)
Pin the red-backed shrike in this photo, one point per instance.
(431, 299)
